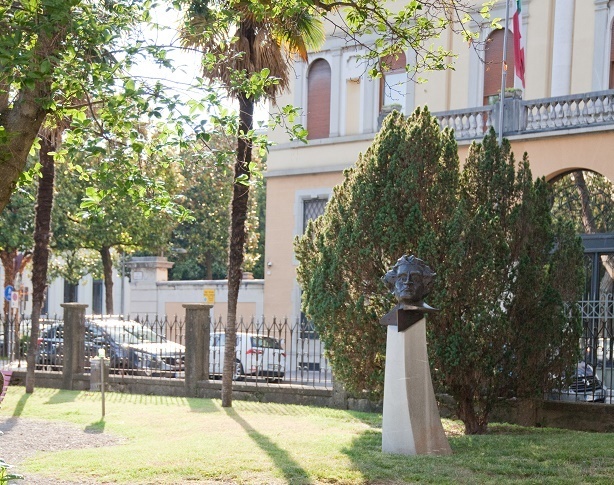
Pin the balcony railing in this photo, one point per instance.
(575, 111)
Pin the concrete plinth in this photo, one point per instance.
(411, 423)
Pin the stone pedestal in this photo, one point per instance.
(411, 423)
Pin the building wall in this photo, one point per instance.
(149, 293)
(284, 221)
(567, 46)
(55, 293)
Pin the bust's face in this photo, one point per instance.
(408, 287)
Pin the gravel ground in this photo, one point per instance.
(23, 438)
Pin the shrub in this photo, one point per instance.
(504, 266)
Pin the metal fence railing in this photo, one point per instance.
(268, 352)
(592, 379)
(275, 350)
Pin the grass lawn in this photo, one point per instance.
(178, 440)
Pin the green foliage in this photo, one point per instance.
(505, 267)
(5, 475)
(392, 202)
(568, 202)
(208, 181)
(508, 270)
(116, 221)
(17, 221)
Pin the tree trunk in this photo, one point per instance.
(40, 257)
(22, 120)
(238, 216)
(8, 263)
(588, 221)
(209, 265)
(473, 423)
(107, 267)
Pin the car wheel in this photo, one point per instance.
(238, 374)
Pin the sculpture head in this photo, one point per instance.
(410, 280)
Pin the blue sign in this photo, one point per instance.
(8, 292)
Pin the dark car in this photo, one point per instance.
(131, 347)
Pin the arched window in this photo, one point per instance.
(493, 57)
(611, 82)
(318, 100)
(394, 80)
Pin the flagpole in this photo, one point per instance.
(503, 71)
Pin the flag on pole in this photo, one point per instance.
(518, 47)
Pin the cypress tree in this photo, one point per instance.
(505, 267)
(379, 212)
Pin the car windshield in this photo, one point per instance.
(131, 333)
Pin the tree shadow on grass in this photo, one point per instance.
(20, 405)
(200, 405)
(62, 396)
(97, 427)
(292, 471)
(11, 422)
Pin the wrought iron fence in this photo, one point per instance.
(592, 379)
(275, 350)
(15, 337)
(268, 352)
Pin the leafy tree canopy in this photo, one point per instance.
(207, 191)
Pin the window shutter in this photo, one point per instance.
(493, 57)
(318, 100)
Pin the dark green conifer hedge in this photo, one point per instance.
(505, 267)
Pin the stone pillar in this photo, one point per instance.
(197, 334)
(74, 342)
(411, 423)
(335, 93)
(562, 47)
(601, 42)
(146, 273)
(513, 116)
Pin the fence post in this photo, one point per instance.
(340, 395)
(74, 342)
(197, 334)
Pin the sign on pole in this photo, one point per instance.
(15, 299)
(8, 292)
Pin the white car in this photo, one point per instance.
(256, 355)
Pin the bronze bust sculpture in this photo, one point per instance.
(410, 280)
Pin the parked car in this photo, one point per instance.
(130, 346)
(585, 387)
(256, 355)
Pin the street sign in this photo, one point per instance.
(8, 292)
(209, 296)
(15, 299)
